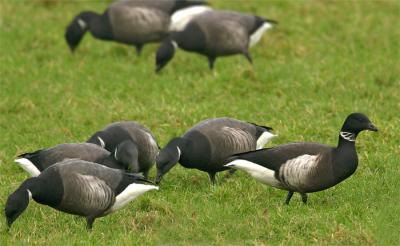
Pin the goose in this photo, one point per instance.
(306, 167)
(37, 161)
(132, 143)
(132, 22)
(78, 187)
(207, 144)
(214, 33)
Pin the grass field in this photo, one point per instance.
(324, 60)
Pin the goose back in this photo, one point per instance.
(225, 32)
(133, 22)
(44, 158)
(211, 141)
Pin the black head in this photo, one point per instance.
(77, 28)
(167, 158)
(357, 122)
(180, 4)
(164, 54)
(16, 204)
(127, 154)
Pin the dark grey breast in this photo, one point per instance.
(226, 32)
(139, 22)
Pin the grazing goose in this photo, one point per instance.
(77, 187)
(132, 22)
(213, 34)
(306, 167)
(37, 161)
(207, 145)
(132, 143)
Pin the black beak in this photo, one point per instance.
(371, 127)
(159, 67)
(158, 178)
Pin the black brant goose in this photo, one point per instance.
(37, 161)
(207, 145)
(132, 144)
(77, 187)
(215, 33)
(306, 167)
(132, 22)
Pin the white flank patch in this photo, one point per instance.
(130, 193)
(28, 166)
(260, 173)
(264, 139)
(295, 172)
(256, 36)
(181, 18)
(102, 143)
(151, 139)
(82, 23)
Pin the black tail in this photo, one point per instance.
(270, 21)
(138, 178)
(30, 155)
(264, 127)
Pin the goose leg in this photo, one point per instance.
(248, 57)
(230, 173)
(138, 49)
(211, 61)
(89, 222)
(146, 174)
(212, 178)
(289, 196)
(304, 197)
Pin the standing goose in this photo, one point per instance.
(213, 34)
(306, 167)
(37, 161)
(132, 22)
(207, 145)
(131, 143)
(77, 187)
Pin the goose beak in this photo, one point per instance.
(371, 127)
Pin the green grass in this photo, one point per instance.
(325, 60)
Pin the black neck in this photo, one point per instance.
(98, 25)
(32, 185)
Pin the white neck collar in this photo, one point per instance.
(29, 194)
(179, 151)
(349, 136)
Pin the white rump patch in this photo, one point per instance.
(256, 36)
(130, 193)
(28, 166)
(182, 17)
(264, 139)
(260, 173)
(102, 143)
(82, 24)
